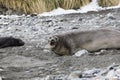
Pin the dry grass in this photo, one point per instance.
(73, 4)
(108, 3)
(39, 6)
(30, 6)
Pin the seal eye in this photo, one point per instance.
(52, 42)
(56, 38)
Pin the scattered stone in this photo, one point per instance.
(34, 14)
(4, 78)
(80, 19)
(75, 75)
(75, 28)
(95, 74)
(110, 16)
(34, 29)
(55, 77)
(48, 21)
(17, 62)
(73, 21)
(81, 53)
(63, 20)
(59, 28)
(101, 52)
(91, 73)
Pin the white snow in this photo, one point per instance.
(58, 11)
(10, 16)
(93, 6)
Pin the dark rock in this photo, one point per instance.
(75, 28)
(80, 19)
(48, 21)
(34, 14)
(111, 17)
(62, 20)
(7, 79)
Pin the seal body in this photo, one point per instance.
(10, 42)
(93, 40)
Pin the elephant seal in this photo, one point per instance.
(92, 40)
(10, 42)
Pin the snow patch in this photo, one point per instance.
(10, 16)
(93, 6)
(58, 11)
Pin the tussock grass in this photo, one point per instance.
(108, 3)
(73, 4)
(30, 6)
(39, 6)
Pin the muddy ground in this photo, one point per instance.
(31, 62)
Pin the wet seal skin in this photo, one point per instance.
(10, 42)
(92, 40)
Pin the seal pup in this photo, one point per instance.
(92, 40)
(10, 42)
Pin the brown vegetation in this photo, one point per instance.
(39, 6)
(73, 4)
(108, 3)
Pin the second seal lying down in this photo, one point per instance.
(93, 40)
(10, 42)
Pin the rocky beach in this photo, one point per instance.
(33, 62)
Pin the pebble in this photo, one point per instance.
(75, 28)
(93, 74)
(110, 16)
(75, 75)
(34, 14)
(81, 53)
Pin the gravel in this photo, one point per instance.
(32, 62)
